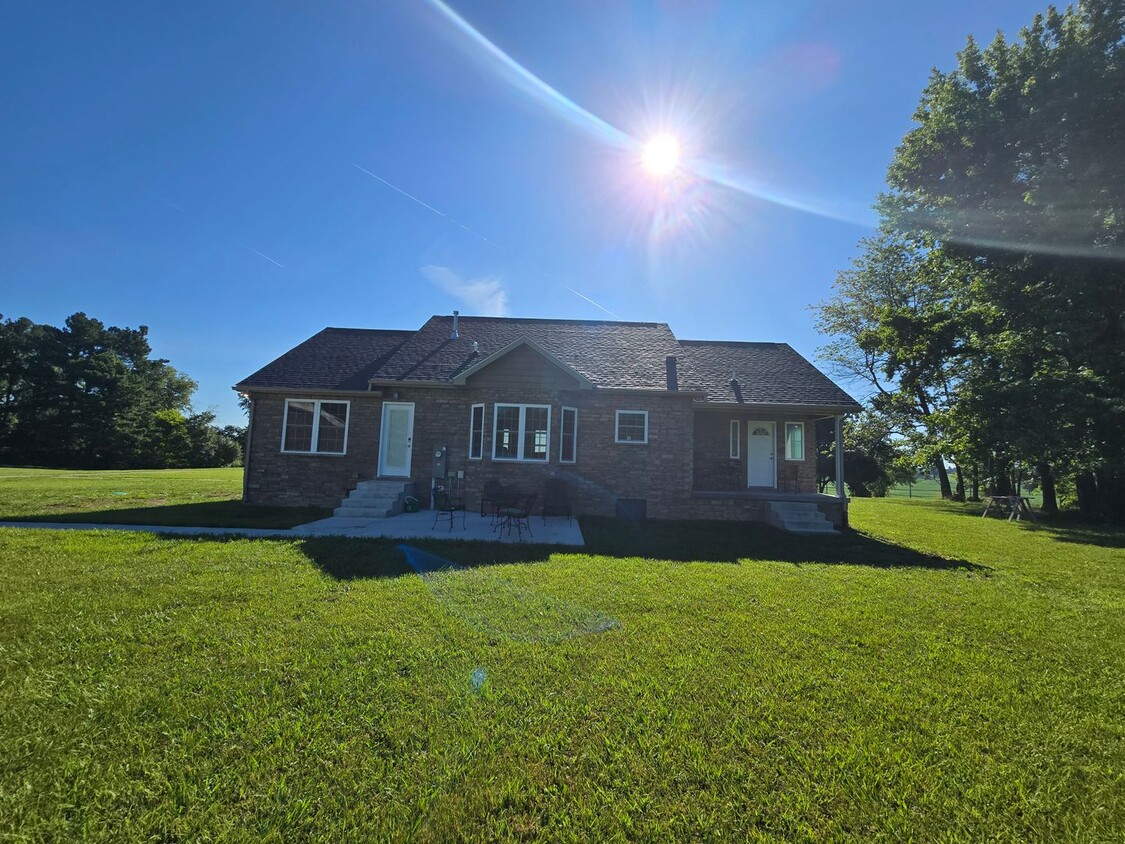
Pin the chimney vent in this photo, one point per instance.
(454, 335)
(670, 363)
(476, 348)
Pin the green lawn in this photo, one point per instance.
(937, 677)
(210, 497)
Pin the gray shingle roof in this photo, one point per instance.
(619, 355)
(765, 373)
(609, 354)
(334, 359)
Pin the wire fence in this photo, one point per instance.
(929, 489)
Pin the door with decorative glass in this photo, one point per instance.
(396, 440)
(760, 454)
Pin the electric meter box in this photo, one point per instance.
(441, 462)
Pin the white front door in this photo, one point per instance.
(759, 454)
(396, 439)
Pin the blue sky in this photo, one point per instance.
(218, 171)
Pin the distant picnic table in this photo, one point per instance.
(1017, 506)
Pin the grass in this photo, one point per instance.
(193, 497)
(936, 677)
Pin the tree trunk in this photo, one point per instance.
(1047, 484)
(1001, 477)
(959, 494)
(943, 478)
(1087, 489)
(976, 482)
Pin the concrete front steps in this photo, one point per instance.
(798, 517)
(375, 500)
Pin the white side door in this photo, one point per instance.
(760, 454)
(396, 439)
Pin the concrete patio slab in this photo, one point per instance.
(420, 525)
(554, 530)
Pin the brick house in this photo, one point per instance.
(632, 419)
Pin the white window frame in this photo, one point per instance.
(617, 428)
(802, 426)
(562, 432)
(735, 439)
(520, 458)
(316, 426)
(473, 413)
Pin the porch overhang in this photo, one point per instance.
(819, 411)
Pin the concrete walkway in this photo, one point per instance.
(419, 525)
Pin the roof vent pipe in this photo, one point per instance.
(670, 363)
(454, 335)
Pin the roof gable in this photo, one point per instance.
(524, 342)
(628, 355)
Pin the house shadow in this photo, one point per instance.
(679, 542)
(220, 514)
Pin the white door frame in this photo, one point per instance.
(750, 425)
(382, 469)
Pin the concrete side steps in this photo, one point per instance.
(375, 500)
(798, 517)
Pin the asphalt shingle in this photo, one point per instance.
(618, 355)
(760, 373)
(334, 359)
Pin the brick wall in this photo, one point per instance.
(660, 472)
(711, 451)
(317, 480)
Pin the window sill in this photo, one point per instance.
(315, 453)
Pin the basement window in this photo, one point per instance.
(315, 427)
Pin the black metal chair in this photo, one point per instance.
(556, 500)
(494, 495)
(791, 477)
(447, 503)
(516, 515)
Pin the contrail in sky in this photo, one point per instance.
(592, 302)
(425, 205)
(263, 255)
(445, 216)
(167, 202)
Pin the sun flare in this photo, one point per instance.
(661, 155)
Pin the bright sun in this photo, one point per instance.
(661, 155)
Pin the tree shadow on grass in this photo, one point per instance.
(683, 542)
(1064, 526)
(224, 513)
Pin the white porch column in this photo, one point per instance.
(839, 456)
